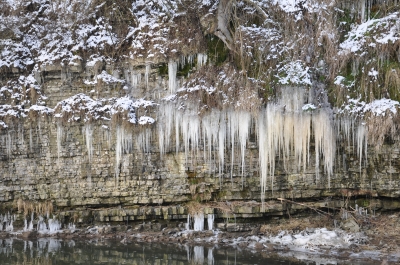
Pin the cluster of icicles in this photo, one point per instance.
(52, 226)
(196, 222)
(282, 129)
(6, 222)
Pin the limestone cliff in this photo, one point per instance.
(126, 103)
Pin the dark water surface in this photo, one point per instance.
(48, 251)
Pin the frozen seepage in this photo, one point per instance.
(54, 225)
(165, 123)
(221, 146)
(88, 132)
(147, 73)
(355, 133)
(6, 222)
(30, 227)
(325, 142)
(190, 127)
(136, 79)
(198, 223)
(201, 60)
(362, 142)
(172, 71)
(309, 240)
(284, 130)
(188, 59)
(123, 145)
(71, 227)
(41, 224)
(30, 139)
(60, 132)
(7, 141)
(143, 140)
(345, 128)
(187, 225)
(244, 124)
(210, 221)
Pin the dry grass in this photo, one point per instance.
(39, 208)
(382, 127)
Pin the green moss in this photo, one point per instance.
(184, 70)
(163, 69)
(216, 50)
(363, 202)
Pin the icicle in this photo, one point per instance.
(201, 60)
(301, 139)
(187, 225)
(30, 139)
(88, 130)
(325, 142)
(9, 144)
(123, 144)
(60, 132)
(190, 132)
(221, 146)
(233, 128)
(244, 122)
(198, 224)
(30, 227)
(36, 74)
(210, 221)
(9, 219)
(210, 125)
(21, 139)
(54, 225)
(165, 124)
(262, 142)
(172, 70)
(136, 79)
(147, 74)
(362, 3)
(362, 143)
(143, 140)
(41, 225)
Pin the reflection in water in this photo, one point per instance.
(49, 251)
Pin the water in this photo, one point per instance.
(55, 251)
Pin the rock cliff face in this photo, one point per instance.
(199, 102)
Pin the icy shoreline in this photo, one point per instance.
(319, 245)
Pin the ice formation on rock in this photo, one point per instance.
(54, 225)
(210, 221)
(88, 132)
(284, 129)
(123, 145)
(201, 59)
(172, 71)
(198, 224)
